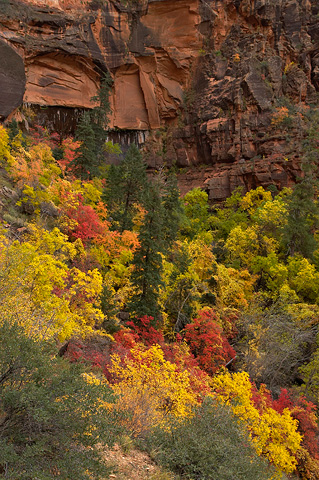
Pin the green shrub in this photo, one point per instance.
(51, 418)
(209, 446)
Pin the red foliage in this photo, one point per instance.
(208, 343)
(125, 340)
(88, 225)
(138, 333)
(305, 412)
(145, 332)
(283, 401)
(80, 352)
(261, 398)
(41, 135)
(70, 152)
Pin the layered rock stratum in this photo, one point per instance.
(196, 82)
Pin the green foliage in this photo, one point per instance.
(210, 445)
(91, 132)
(125, 189)
(52, 416)
(147, 260)
(172, 210)
(101, 112)
(85, 164)
(226, 218)
(302, 218)
(197, 218)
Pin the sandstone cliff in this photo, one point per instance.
(197, 81)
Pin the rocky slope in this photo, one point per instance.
(198, 82)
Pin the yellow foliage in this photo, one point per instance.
(92, 191)
(54, 242)
(36, 166)
(303, 278)
(242, 245)
(274, 273)
(274, 435)
(254, 199)
(288, 67)
(5, 155)
(34, 197)
(272, 215)
(39, 289)
(234, 287)
(150, 388)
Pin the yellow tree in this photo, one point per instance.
(150, 388)
(274, 435)
(42, 292)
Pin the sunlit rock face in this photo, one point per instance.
(149, 50)
(201, 78)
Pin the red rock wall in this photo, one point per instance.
(149, 50)
(203, 76)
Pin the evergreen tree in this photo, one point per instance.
(92, 133)
(100, 113)
(126, 185)
(172, 211)
(85, 164)
(302, 207)
(13, 129)
(302, 217)
(147, 261)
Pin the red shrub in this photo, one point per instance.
(208, 343)
(305, 412)
(147, 334)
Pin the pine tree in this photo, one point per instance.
(92, 133)
(302, 216)
(303, 209)
(147, 261)
(172, 210)
(126, 185)
(85, 164)
(100, 113)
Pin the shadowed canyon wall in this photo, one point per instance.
(197, 81)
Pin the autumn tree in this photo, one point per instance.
(197, 218)
(208, 342)
(273, 434)
(150, 388)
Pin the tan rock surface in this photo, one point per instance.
(57, 79)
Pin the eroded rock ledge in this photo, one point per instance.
(202, 76)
